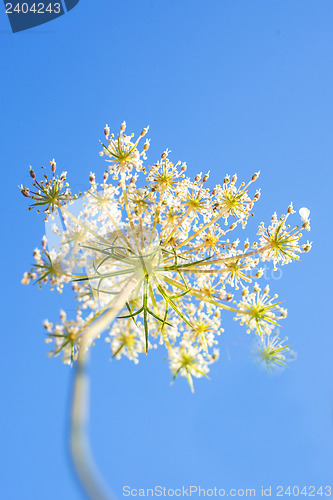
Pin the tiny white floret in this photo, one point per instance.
(304, 213)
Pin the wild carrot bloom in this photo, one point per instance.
(281, 242)
(273, 353)
(164, 242)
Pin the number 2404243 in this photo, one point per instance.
(35, 8)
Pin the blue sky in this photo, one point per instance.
(229, 87)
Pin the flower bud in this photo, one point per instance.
(205, 178)
(306, 247)
(306, 226)
(44, 242)
(26, 279)
(144, 131)
(256, 196)
(106, 130)
(26, 192)
(146, 145)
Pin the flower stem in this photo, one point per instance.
(216, 218)
(81, 224)
(84, 465)
(174, 229)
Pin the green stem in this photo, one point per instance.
(174, 229)
(217, 217)
(227, 259)
(197, 294)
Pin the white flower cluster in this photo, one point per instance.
(273, 353)
(158, 234)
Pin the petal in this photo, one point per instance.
(304, 213)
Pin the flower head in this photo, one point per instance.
(50, 192)
(272, 352)
(123, 152)
(280, 243)
(259, 311)
(157, 247)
